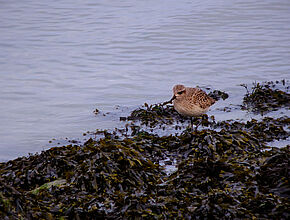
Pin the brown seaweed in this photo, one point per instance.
(266, 97)
(226, 170)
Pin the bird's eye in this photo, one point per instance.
(179, 93)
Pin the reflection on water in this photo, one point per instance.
(60, 60)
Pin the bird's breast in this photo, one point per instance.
(189, 109)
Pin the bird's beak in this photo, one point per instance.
(170, 101)
(173, 97)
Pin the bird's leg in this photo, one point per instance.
(191, 124)
(199, 122)
(191, 128)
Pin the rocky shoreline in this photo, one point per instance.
(224, 170)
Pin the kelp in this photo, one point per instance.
(225, 170)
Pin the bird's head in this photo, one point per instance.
(178, 91)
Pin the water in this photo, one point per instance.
(59, 60)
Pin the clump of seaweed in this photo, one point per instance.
(274, 172)
(93, 181)
(265, 97)
(152, 115)
(228, 187)
(96, 111)
(217, 95)
(265, 130)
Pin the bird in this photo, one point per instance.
(191, 102)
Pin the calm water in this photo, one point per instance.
(59, 60)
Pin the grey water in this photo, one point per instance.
(60, 60)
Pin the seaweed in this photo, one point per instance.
(96, 111)
(266, 97)
(226, 170)
(225, 174)
(265, 130)
(156, 114)
(217, 95)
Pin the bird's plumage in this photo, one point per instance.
(191, 101)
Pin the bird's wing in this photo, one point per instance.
(199, 97)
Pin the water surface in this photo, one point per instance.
(59, 60)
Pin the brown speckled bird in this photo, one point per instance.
(191, 102)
